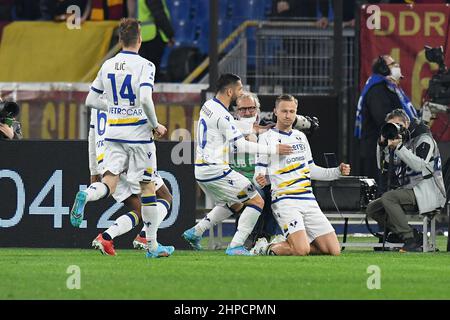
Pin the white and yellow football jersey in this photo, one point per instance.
(216, 129)
(120, 79)
(290, 175)
(97, 140)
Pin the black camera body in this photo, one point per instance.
(391, 131)
(8, 111)
(439, 86)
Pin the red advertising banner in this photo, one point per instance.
(403, 32)
(56, 112)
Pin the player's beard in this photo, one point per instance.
(233, 100)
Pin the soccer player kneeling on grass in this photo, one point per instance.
(230, 190)
(304, 225)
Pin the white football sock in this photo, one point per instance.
(216, 215)
(246, 223)
(163, 209)
(162, 212)
(96, 191)
(123, 224)
(150, 219)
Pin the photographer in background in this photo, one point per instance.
(381, 94)
(10, 128)
(408, 148)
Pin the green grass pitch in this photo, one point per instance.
(42, 274)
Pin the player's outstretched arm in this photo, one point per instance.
(244, 146)
(94, 100)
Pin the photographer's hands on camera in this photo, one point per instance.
(7, 131)
(391, 143)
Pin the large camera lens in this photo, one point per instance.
(390, 131)
(9, 109)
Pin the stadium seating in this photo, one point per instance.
(179, 9)
(191, 19)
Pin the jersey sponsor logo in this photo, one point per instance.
(295, 159)
(206, 111)
(125, 111)
(299, 147)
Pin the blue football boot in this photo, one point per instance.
(77, 212)
(238, 251)
(161, 251)
(194, 240)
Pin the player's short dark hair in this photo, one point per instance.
(129, 30)
(285, 97)
(225, 80)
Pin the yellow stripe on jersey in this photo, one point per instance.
(123, 121)
(149, 170)
(292, 181)
(305, 171)
(100, 157)
(305, 184)
(295, 191)
(289, 168)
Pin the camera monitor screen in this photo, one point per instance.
(330, 160)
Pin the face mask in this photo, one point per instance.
(248, 120)
(396, 73)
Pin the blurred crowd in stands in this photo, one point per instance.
(185, 23)
(115, 9)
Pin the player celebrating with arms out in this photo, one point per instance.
(230, 190)
(304, 225)
(127, 80)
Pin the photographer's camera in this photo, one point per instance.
(391, 131)
(9, 126)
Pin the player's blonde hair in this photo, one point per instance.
(129, 31)
(285, 97)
